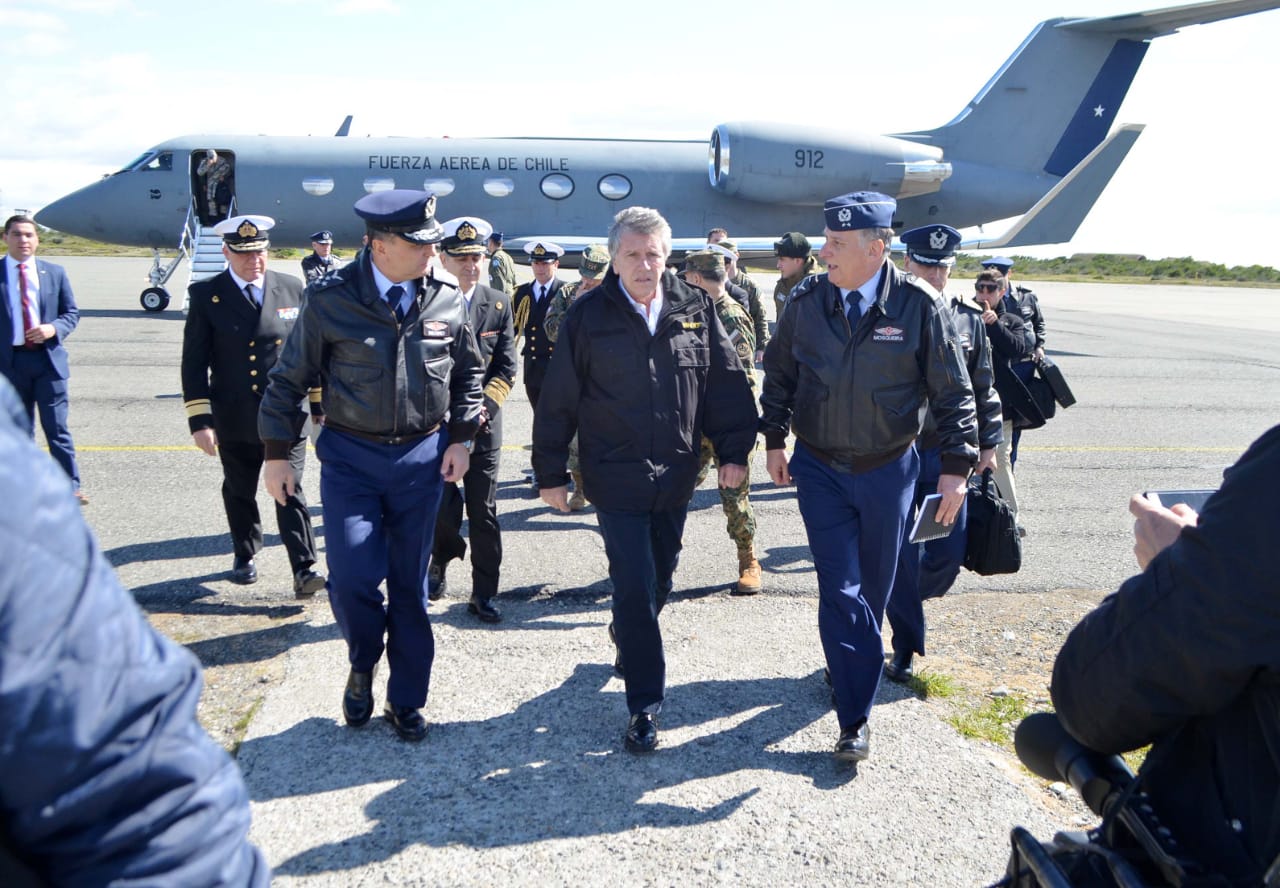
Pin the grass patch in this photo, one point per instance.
(995, 720)
(241, 726)
(934, 684)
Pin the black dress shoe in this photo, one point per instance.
(307, 583)
(484, 609)
(899, 668)
(357, 700)
(244, 571)
(854, 744)
(436, 584)
(617, 653)
(407, 721)
(642, 733)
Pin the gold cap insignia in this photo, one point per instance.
(466, 231)
(539, 250)
(247, 229)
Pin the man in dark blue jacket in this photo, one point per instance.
(642, 370)
(108, 778)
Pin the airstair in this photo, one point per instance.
(202, 246)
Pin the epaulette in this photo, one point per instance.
(806, 285)
(332, 279)
(923, 286)
(966, 300)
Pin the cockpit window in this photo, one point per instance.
(152, 160)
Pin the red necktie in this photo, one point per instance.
(30, 318)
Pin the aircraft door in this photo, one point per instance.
(213, 177)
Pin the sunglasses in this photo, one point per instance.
(986, 288)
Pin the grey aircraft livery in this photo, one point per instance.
(1038, 141)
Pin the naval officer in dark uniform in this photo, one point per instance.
(236, 324)
(321, 260)
(402, 398)
(531, 301)
(489, 313)
(856, 355)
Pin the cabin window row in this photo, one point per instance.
(555, 186)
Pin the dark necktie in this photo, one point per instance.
(248, 294)
(542, 292)
(853, 310)
(394, 296)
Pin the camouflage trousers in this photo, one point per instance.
(740, 520)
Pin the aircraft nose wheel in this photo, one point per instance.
(155, 299)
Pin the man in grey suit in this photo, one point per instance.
(41, 312)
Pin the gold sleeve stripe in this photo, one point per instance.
(315, 395)
(498, 389)
(198, 407)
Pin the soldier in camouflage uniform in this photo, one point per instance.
(795, 263)
(591, 267)
(755, 308)
(502, 268)
(706, 269)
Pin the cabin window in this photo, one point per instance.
(439, 187)
(499, 187)
(378, 183)
(615, 187)
(317, 186)
(557, 186)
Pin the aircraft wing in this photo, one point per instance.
(1056, 216)
(1161, 22)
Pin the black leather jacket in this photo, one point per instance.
(641, 403)
(1186, 656)
(967, 315)
(859, 396)
(379, 378)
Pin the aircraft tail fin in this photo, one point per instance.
(1056, 216)
(345, 128)
(1055, 99)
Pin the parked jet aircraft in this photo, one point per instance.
(1036, 141)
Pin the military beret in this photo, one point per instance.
(544, 251)
(408, 213)
(932, 244)
(594, 261)
(465, 235)
(1001, 262)
(728, 245)
(793, 245)
(323, 236)
(860, 209)
(709, 259)
(245, 234)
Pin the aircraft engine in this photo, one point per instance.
(804, 166)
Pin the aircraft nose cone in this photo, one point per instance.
(78, 213)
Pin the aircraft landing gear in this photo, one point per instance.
(155, 299)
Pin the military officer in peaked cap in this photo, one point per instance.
(236, 324)
(490, 316)
(402, 374)
(927, 570)
(532, 301)
(857, 353)
(321, 260)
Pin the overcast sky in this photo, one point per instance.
(92, 83)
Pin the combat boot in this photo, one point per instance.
(748, 573)
(578, 501)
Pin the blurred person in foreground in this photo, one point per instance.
(108, 777)
(1186, 657)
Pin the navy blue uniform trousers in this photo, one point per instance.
(925, 570)
(42, 390)
(855, 525)
(643, 550)
(380, 503)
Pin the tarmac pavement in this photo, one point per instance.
(523, 779)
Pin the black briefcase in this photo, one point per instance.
(992, 546)
(1052, 374)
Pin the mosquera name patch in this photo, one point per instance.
(887, 334)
